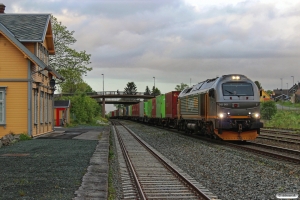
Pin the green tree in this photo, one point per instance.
(181, 87)
(71, 64)
(84, 109)
(268, 109)
(269, 92)
(155, 91)
(118, 106)
(130, 88)
(258, 85)
(147, 91)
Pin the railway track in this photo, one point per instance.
(280, 136)
(146, 174)
(276, 152)
(270, 151)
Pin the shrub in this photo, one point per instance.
(24, 136)
(268, 110)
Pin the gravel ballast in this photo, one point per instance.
(228, 173)
(44, 168)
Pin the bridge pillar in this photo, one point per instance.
(103, 107)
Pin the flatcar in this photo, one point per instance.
(225, 107)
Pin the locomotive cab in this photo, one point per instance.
(238, 108)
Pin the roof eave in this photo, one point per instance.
(25, 51)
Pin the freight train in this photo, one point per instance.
(226, 108)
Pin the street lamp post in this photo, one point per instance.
(293, 95)
(103, 100)
(281, 93)
(154, 86)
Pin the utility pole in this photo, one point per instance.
(103, 100)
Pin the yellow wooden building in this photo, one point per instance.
(26, 79)
(264, 96)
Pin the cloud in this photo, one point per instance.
(176, 41)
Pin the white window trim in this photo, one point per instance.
(3, 106)
(3, 101)
(35, 106)
(41, 107)
(46, 108)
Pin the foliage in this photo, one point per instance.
(155, 91)
(147, 91)
(268, 109)
(119, 105)
(286, 119)
(269, 92)
(181, 87)
(24, 137)
(68, 62)
(258, 85)
(130, 88)
(288, 104)
(83, 108)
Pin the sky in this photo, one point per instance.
(179, 41)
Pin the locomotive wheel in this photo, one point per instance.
(210, 131)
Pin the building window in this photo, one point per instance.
(46, 108)
(41, 107)
(2, 105)
(35, 106)
(43, 54)
(50, 109)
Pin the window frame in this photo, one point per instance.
(35, 106)
(237, 83)
(41, 107)
(3, 101)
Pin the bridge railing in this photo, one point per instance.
(118, 99)
(113, 93)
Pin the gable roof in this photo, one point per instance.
(25, 51)
(30, 28)
(62, 104)
(26, 27)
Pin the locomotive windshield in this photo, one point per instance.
(237, 89)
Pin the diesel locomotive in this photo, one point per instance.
(225, 107)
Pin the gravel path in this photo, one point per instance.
(49, 168)
(228, 173)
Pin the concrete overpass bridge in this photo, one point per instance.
(113, 97)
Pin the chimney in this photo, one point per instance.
(2, 8)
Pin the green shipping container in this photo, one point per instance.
(148, 108)
(145, 108)
(130, 110)
(161, 106)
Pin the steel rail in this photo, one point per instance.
(242, 146)
(192, 187)
(128, 161)
(170, 168)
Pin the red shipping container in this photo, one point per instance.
(135, 110)
(113, 113)
(153, 111)
(171, 104)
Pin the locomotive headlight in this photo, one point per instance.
(256, 115)
(236, 78)
(221, 115)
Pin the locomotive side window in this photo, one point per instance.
(237, 89)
